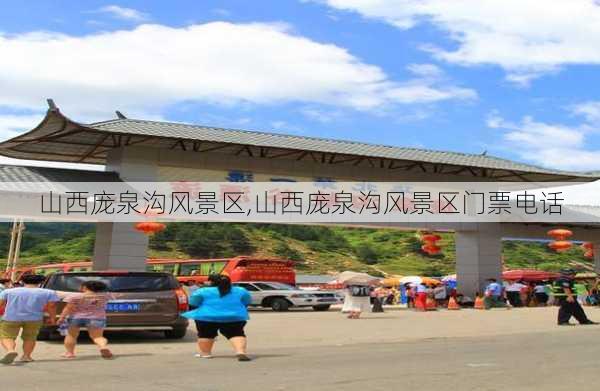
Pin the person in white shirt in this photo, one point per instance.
(513, 293)
(540, 294)
(421, 298)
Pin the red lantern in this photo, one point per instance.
(588, 245)
(430, 238)
(560, 234)
(431, 248)
(560, 245)
(149, 227)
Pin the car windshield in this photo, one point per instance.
(276, 286)
(116, 283)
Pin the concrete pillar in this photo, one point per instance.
(119, 245)
(478, 257)
(134, 164)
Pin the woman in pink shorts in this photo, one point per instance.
(86, 309)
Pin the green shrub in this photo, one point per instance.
(366, 253)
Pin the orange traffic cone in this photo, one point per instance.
(430, 304)
(479, 303)
(452, 304)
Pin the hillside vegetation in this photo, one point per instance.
(315, 249)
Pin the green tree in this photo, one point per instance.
(366, 253)
(285, 251)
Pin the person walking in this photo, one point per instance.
(356, 300)
(410, 295)
(86, 309)
(24, 313)
(493, 295)
(440, 295)
(513, 293)
(421, 300)
(378, 295)
(581, 292)
(595, 293)
(564, 292)
(220, 308)
(540, 294)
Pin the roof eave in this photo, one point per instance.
(56, 125)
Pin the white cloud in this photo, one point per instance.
(147, 68)
(551, 145)
(426, 70)
(221, 12)
(590, 110)
(320, 115)
(124, 13)
(528, 38)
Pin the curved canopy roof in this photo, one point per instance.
(58, 138)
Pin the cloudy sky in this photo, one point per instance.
(518, 78)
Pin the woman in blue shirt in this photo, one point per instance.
(220, 308)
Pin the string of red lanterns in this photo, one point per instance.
(560, 242)
(589, 249)
(430, 247)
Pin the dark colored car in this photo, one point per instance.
(143, 301)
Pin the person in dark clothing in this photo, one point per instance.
(564, 291)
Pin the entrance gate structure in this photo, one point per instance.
(146, 151)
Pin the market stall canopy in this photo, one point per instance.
(449, 278)
(419, 280)
(350, 277)
(528, 275)
(391, 281)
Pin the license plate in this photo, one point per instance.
(123, 307)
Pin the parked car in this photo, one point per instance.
(144, 301)
(280, 297)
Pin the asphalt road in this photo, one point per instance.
(552, 359)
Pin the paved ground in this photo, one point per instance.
(521, 349)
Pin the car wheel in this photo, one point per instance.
(177, 333)
(324, 307)
(280, 305)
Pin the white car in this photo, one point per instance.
(280, 297)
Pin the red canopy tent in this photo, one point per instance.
(528, 275)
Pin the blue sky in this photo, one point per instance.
(506, 76)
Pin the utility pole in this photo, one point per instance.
(13, 234)
(15, 247)
(17, 251)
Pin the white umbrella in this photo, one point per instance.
(448, 278)
(349, 277)
(411, 280)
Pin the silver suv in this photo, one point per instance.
(280, 297)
